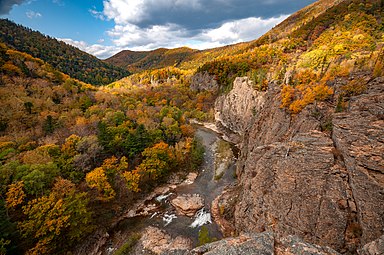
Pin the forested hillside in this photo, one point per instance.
(72, 155)
(61, 56)
(341, 38)
(136, 61)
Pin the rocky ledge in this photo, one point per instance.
(155, 241)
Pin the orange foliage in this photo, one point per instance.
(287, 95)
(187, 130)
(15, 195)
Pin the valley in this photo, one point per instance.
(273, 146)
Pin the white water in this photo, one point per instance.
(168, 218)
(162, 197)
(201, 218)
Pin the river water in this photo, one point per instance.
(166, 219)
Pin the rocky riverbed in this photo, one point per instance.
(171, 217)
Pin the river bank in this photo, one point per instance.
(156, 210)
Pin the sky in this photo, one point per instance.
(105, 27)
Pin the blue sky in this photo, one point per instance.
(62, 19)
(105, 27)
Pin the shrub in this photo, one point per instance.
(126, 248)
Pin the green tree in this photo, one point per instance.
(157, 161)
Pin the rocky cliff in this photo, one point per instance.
(318, 175)
(235, 111)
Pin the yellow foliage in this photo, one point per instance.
(313, 59)
(15, 195)
(97, 179)
(156, 160)
(354, 87)
(11, 69)
(183, 149)
(62, 215)
(69, 147)
(40, 248)
(6, 145)
(133, 179)
(187, 130)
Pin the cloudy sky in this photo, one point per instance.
(105, 27)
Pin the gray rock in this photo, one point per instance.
(256, 244)
(157, 241)
(359, 137)
(294, 245)
(204, 81)
(373, 248)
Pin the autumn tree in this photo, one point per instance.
(157, 161)
(98, 179)
(15, 195)
(132, 179)
(61, 215)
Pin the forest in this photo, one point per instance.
(73, 154)
(63, 57)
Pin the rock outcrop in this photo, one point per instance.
(188, 204)
(204, 81)
(373, 248)
(157, 241)
(318, 175)
(235, 110)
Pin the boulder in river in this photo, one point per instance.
(188, 204)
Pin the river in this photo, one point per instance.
(166, 219)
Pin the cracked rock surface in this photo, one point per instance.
(318, 175)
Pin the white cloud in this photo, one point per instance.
(135, 11)
(97, 14)
(133, 37)
(173, 35)
(240, 30)
(98, 50)
(58, 2)
(32, 14)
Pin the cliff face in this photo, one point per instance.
(318, 175)
(235, 110)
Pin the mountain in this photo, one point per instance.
(136, 61)
(304, 104)
(63, 57)
(309, 122)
